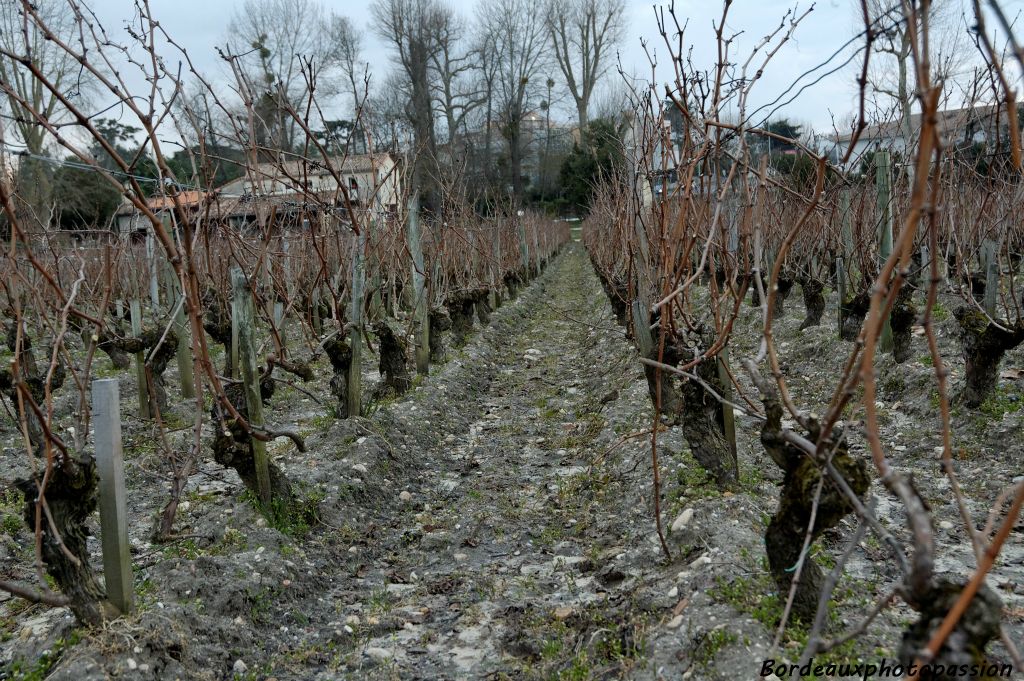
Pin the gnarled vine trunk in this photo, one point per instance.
(852, 313)
(440, 321)
(460, 309)
(814, 301)
(984, 345)
(901, 321)
(394, 363)
(784, 538)
(70, 495)
(340, 356)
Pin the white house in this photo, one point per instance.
(957, 128)
(371, 181)
(291, 193)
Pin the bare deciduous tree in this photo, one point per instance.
(455, 91)
(22, 93)
(413, 27)
(271, 38)
(582, 33)
(386, 116)
(347, 44)
(892, 73)
(517, 39)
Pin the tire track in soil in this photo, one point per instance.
(506, 580)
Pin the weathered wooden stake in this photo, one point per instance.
(524, 249)
(186, 373)
(728, 417)
(135, 309)
(496, 269)
(419, 280)
(235, 331)
(279, 322)
(840, 291)
(154, 280)
(641, 305)
(536, 249)
(846, 217)
(243, 308)
(989, 250)
(883, 183)
(317, 325)
(355, 374)
(117, 566)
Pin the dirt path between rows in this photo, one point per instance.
(527, 523)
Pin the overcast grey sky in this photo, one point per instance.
(201, 25)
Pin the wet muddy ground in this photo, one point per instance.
(496, 522)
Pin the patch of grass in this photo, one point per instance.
(926, 360)
(11, 503)
(939, 312)
(319, 423)
(591, 423)
(293, 517)
(187, 549)
(754, 595)
(550, 413)
(1003, 400)
(254, 674)
(380, 601)
(694, 481)
(751, 477)
(550, 535)
(233, 541)
(11, 524)
(260, 604)
(105, 370)
(893, 384)
(145, 591)
(41, 668)
(711, 644)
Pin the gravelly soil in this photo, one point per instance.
(497, 523)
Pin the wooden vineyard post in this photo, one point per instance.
(846, 218)
(474, 256)
(883, 184)
(154, 281)
(496, 268)
(235, 330)
(317, 325)
(420, 312)
(355, 376)
(990, 259)
(186, 372)
(537, 250)
(840, 291)
(245, 311)
(728, 417)
(641, 305)
(117, 566)
(135, 309)
(524, 249)
(289, 291)
(279, 322)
